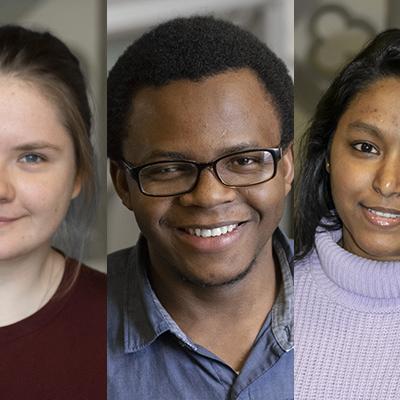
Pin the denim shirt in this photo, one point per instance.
(150, 357)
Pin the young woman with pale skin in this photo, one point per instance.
(46, 169)
(347, 275)
(38, 181)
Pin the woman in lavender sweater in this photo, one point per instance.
(347, 275)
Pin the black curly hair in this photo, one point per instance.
(192, 48)
(314, 205)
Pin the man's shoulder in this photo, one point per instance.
(120, 274)
(119, 261)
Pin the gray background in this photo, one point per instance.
(327, 35)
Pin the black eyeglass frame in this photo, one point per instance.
(276, 152)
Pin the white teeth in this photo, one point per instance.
(205, 233)
(383, 214)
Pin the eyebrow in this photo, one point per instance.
(40, 145)
(186, 156)
(365, 127)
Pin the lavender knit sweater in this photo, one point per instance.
(347, 325)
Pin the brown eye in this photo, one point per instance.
(366, 147)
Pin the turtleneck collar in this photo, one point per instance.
(356, 282)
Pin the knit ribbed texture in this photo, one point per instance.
(347, 325)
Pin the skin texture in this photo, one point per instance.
(364, 170)
(36, 187)
(202, 121)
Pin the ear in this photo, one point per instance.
(327, 166)
(119, 178)
(288, 168)
(77, 186)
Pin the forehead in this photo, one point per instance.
(203, 117)
(26, 114)
(377, 105)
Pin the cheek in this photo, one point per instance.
(267, 200)
(149, 213)
(49, 196)
(348, 184)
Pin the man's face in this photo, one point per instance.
(201, 121)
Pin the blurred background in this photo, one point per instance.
(327, 35)
(81, 25)
(270, 20)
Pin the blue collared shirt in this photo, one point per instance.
(150, 357)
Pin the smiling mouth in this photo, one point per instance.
(384, 214)
(211, 232)
(7, 220)
(211, 238)
(383, 217)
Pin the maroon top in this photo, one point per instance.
(59, 353)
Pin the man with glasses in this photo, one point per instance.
(200, 120)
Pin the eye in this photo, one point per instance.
(32, 158)
(167, 171)
(243, 161)
(365, 147)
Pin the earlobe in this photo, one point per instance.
(120, 182)
(77, 187)
(327, 166)
(288, 168)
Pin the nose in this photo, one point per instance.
(209, 192)
(7, 192)
(387, 178)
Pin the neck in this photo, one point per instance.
(224, 319)
(28, 282)
(178, 295)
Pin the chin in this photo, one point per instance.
(380, 251)
(215, 281)
(384, 255)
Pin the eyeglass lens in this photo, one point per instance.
(241, 169)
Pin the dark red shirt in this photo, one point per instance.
(60, 351)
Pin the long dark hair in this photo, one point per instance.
(314, 206)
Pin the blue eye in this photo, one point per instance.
(32, 158)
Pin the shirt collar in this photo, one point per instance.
(145, 319)
(282, 310)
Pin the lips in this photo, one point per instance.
(381, 216)
(213, 237)
(6, 221)
(211, 232)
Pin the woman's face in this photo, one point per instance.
(365, 172)
(37, 169)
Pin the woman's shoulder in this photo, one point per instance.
(302, 267)
(88, 281)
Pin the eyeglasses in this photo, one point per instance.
(176, 177)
